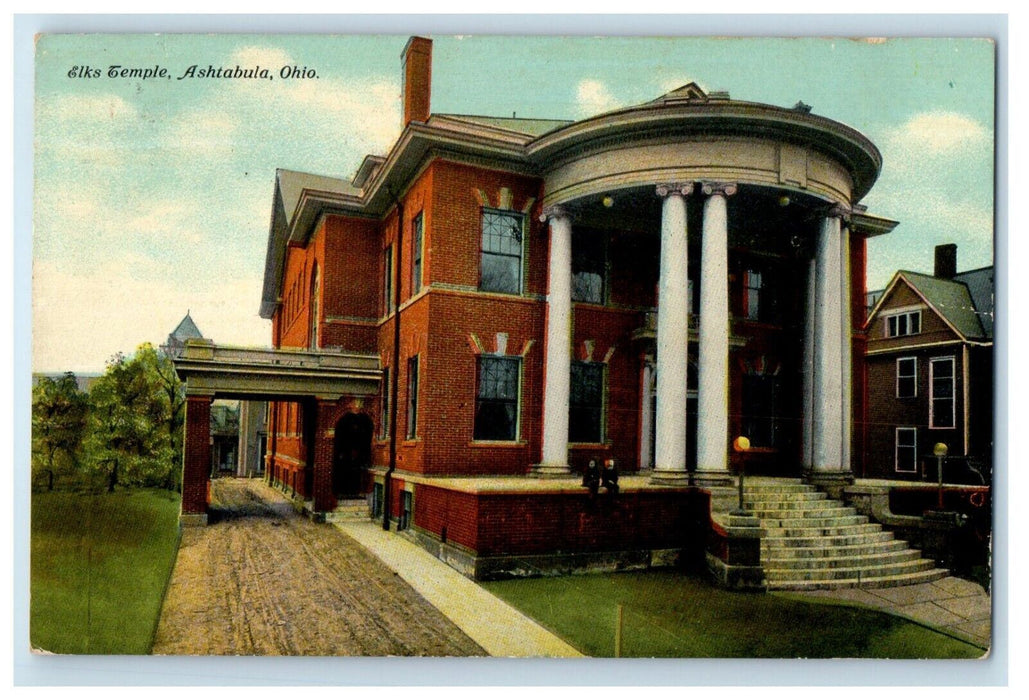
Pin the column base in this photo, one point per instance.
(192, 519)
(550, 471)
(833, 482)
(669, 478)
(713, 478)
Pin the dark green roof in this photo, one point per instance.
(951, 299)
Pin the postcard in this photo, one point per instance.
(513, 346)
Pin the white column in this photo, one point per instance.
(846, 348)
(672, 337)
(558, 367)
(647, 417)
(827, 409)
(807, 412)
(713, 359)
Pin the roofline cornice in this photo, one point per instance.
(748, 119)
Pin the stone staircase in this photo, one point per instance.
(349, 509)
(812, 542)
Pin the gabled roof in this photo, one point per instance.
(186, 329)
(980, 286)
(949, 299)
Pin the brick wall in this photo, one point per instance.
(547, 523)
(196, 456)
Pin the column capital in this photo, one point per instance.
(555, 211)
(680, 188)
(840, 211)
(726, 189)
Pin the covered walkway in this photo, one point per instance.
(328, 384)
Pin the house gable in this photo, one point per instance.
(901, 297)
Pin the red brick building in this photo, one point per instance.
(641, 286)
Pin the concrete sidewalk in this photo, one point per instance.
(496, 626)
(952, 605)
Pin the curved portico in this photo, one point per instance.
(751, 182)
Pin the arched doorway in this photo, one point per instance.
(351, 453)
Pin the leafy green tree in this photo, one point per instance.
(59, 413)
(129, 439)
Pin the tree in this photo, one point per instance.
(129, 439)
(59, 412)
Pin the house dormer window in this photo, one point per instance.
(906, 323)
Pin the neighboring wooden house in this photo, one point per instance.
(929, 369)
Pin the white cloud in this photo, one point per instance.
(266, 57)
(593, 97)
(99, 108)
(936, 134)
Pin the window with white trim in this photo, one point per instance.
(496, 401)
(501, 264)
(586, 403)
(906, 323)
(384, 413)
(417, 244)
(387, 280)
(412, 397)
(906, 451)
(907, 377)
(941, 392)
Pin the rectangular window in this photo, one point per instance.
(418, 230)
(589, 266)
(907, 323)
(384, 413)
(406, 508)
(907, 377)
(760, 296)
(387, 281)
(752, 295)
(377, 491)
(412, 397)
(586, 402)
(501, 265)
(496, 403)
(906, 450)
(941, 392)
(761, 394)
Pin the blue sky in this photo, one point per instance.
(153, 197)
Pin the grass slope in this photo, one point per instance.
(100, 563)
(668, 614)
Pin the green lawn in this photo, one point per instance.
(100, 563)
(668, 614)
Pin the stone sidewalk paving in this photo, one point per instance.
(953, 605)
(490, 622)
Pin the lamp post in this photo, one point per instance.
(940, 450)
(740, 445)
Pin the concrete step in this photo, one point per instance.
(848, 561)
(853, 572)
(829, 521)
(750, 498)
(872, 582)
(751, 488)
(819, 551)
(869, 536)
(837, 511)
(349, 509)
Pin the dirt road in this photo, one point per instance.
(262, 580)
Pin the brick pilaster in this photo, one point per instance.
(196, 456)
(320, 460)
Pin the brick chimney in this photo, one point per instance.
(946, 263)
(417, 61)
